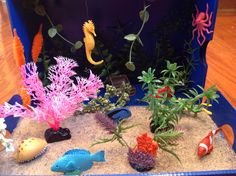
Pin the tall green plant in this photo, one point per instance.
(165, 107)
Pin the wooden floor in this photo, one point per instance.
(221, 57)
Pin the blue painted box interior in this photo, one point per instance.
(108, 15)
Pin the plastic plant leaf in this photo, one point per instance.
(130, 37)
(59, 27)
(78, 45)
(144, 15)
(39, 9)
(72, 49)
(52, 32)
(108, 58)
(130, 66)
(139, 40)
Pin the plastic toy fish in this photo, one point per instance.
(205, 145)
(89, 32)
(119, 114)
(76, 161)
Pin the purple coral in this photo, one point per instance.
(141, 161)
(107, 123)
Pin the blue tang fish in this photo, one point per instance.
(76, 161)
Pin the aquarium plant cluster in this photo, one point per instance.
(65, 94)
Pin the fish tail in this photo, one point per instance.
(99, 156)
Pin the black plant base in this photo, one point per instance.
(154, 127)
(56, 136)
(139, 168)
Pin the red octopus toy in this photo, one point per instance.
(201, 22)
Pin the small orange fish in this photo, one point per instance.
(205, 145)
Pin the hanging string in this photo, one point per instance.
(86, 7)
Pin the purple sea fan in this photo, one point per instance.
(107, 123)
(141, 161)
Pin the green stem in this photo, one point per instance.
(132, 45)
(50, 21)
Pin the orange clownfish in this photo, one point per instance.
(206, 144)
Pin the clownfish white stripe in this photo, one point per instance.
(214, 132)
(210, 139)
(204, 146)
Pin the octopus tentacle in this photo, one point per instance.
(204, 38)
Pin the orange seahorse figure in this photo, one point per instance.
(89, 33)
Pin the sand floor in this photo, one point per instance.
(85, 131)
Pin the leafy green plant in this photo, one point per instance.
(166, 139)
(105, 104)
(144, 16)
(165, 107)
(116, 134)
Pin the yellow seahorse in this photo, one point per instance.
(89, 42)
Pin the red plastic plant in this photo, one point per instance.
(146, 144)
(163, 90)
(201, 22)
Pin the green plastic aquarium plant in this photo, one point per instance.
(165, 107)
(104, 103)
(116, 130)
(144, 16)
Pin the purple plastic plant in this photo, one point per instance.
(107, 123)
(60, 99)
(141, 161)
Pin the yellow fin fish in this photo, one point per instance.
(89, 33)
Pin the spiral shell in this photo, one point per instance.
(30, 149)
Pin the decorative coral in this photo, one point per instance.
(37, 44)
(58, 100)
(18, 50)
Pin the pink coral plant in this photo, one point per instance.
(58, 100)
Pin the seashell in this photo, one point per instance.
(30, 149)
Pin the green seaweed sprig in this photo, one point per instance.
(144, 16)
(116, 135)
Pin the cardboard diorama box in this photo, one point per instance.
(128, 37)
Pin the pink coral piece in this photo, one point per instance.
(201, 23)
(58, 100)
